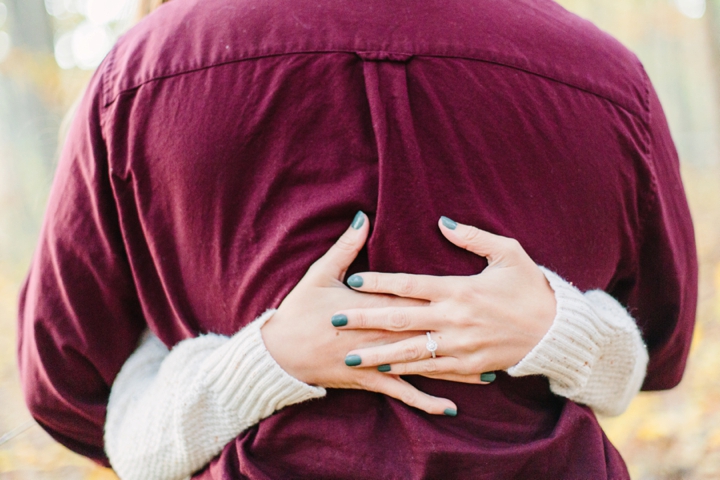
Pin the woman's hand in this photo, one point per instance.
(481, 323)
(302, 339)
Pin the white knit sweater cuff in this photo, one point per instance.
(170, 413)
(245, 376)
(592, 354)
(568, 351)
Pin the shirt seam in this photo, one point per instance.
(649, 199)
(108, 99)
(106, 86)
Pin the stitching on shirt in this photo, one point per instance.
(651, 197)
(108, 100)
(106, 84)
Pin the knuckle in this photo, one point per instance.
(371, 282)
(360, 319)
(401, 369)
(472, 234)
(409, 353)
(405, 285)
(466, 295)
(345, 244)
(464, 321)
(371, 359)
(409, 397)
(466, 344)
(399, 320)
(430, 366)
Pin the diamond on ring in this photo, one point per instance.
(431, 345)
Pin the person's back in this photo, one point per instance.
(238, 137)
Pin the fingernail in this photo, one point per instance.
(487, 377)
(353, 360)
(450, 412)
(355, 281)
(384, 368)
(339, 320)
(358, 220)
(451, 224)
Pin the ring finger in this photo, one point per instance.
(404, 351)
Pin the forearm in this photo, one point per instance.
(593, 353)
(171, 412)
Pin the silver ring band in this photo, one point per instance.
(431, 345)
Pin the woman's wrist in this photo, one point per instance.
(278, 343)
(170, 412)
(567, 351)
(261, 376)
(593, 352)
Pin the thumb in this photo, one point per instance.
(336, 261)
(497, 249)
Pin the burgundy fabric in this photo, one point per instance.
(224, 145)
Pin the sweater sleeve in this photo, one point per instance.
(592, 354)
(171, 412)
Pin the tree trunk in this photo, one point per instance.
(31, 27)
(712, 14)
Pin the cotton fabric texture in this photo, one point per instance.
(223, 146)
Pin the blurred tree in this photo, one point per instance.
(29, 120)
(713, 18)
(31, 28)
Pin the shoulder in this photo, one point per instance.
(547, 40)
(538, 37)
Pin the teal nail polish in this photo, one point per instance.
(488, 377)
(384, 368)
(339, 320)
(355, 281)
(450, 412)
(353, 360)
(451, 224)
(358, 220)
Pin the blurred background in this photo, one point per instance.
(48, 49)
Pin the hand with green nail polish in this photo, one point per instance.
(481, 323)
(305, 338)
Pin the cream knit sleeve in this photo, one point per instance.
(171, 412)
(593, 353)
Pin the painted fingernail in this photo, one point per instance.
(488, 377)
(355, 281)
(339, 320)
(353, 360)
(358, 220)
(451, 224)
(450, 412)
(384, 368)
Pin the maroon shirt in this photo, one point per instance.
(224, 145)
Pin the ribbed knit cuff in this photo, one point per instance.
(247, 379)
(570, 348)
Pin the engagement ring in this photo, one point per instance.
(431, 345)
